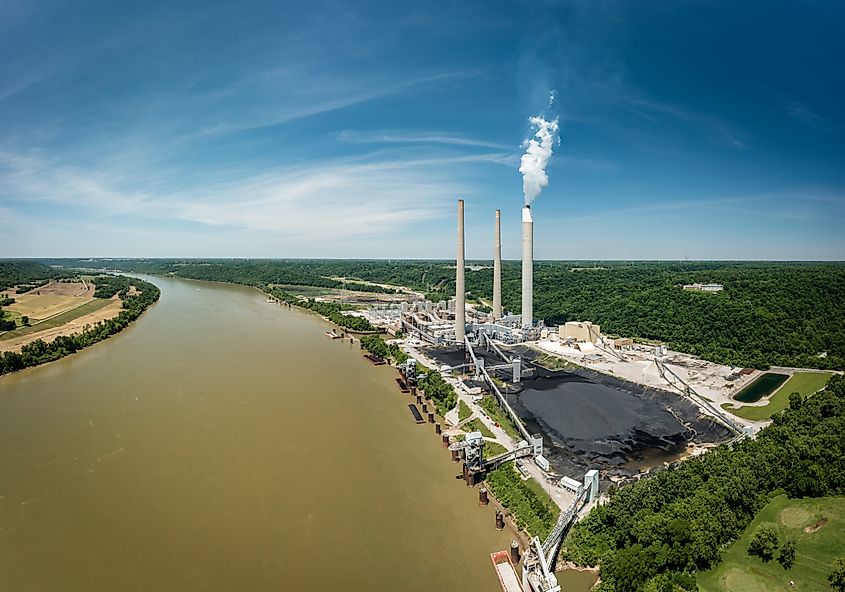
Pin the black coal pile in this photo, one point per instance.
(592, 420)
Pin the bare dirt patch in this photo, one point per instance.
(52, 299)
(112, 309)
(815, 527)
(77, 289)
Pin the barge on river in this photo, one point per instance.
(506, 572)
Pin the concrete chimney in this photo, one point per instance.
(527, 268)
(497, 268)
(460, 289)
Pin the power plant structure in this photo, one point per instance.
(527, 268)
(433, 321)
(460, 288)
(497, 268)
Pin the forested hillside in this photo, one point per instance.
(25, 272)
(653, 534)
(770, 313)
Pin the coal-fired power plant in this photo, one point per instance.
(460, 289)
(497, 268)
(527, 268)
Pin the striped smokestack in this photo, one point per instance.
(460, 289)
(527, 268)
(497, 268)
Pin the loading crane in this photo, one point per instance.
(538, 564)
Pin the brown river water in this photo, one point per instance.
(224, 443)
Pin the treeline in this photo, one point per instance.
(330, 310)
(532, 513)
(40, 352)
(250, 272)
(438, 390)
(769, 314)
(107, 286)
(656, 533)
(24, 272)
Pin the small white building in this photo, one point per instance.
(704, 287)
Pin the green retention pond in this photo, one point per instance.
(762, 387)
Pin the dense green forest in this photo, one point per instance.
(40, 352)
(655, 533)
(26, 273)
(770, 313)
(250, 272)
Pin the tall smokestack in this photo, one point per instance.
(460, 289)
(527, 267)
(497, 268)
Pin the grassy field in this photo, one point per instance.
(39, 307)
(488, 404)
(475, 425)
(818, 526)
(59, 319)
(804, 383)
(463, 411)
(492, 449)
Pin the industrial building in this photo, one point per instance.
(579, 331)
(704, 287)
(451, 321)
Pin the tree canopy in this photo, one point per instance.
(679, 520)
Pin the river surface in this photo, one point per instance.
(224, 443)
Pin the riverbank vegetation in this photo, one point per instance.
(680, 521)
(531, 507)
(134, 303)
(379, 347)
(328, 310)
(438, 390)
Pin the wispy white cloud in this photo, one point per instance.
(805, 115)
(416, 137)
(305, 94)
(336, 198)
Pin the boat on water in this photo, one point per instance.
(506, 572)
(332, 335)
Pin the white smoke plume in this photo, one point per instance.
(538, 150)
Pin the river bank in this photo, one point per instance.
(135, 297)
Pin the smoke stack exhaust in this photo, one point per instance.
(460, 289)
(527, 268)
(497, 268)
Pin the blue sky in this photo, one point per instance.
(700, 130)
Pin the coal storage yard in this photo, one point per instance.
(589, 419)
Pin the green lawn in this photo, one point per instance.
(805, 383)
(59, 319)
(492, 449)
(488, 404)
(476, 426)
(463, 411)
(818, 526)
